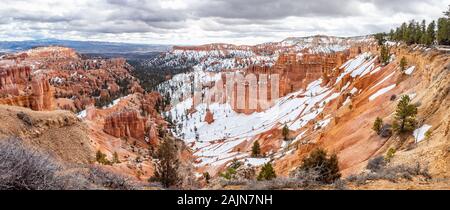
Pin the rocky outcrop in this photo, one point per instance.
(39, 98)
(149, 102)
(294, 72)
(125, 124)
(13, 76)
(152, 135)
(209, 117)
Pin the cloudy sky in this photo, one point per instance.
(205, 21)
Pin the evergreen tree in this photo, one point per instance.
(403, 64)
(384, 55)
(431, 33)
(377, 125)
(207, 177)
(285, 132)
(443, 33)
(256, 149)
(327, 168)
(101, 158)
(423, 32)
(380, 37)
(405, 115)
(267, 172)
(166, 168)
(447, 13)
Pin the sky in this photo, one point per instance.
(192, 22)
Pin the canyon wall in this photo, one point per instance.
(125, 124)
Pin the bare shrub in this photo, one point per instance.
(376, 164)
(109, 180)
(25, 118)
(25, 168)
(393, 174)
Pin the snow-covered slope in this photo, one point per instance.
(215, 144)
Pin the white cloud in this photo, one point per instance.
(205, 21)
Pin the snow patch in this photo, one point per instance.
(410, 70)
(419, 133)
(381, 92)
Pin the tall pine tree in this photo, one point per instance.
(405, 115)
(431, 33)
(166, 168)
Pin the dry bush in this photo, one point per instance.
(25, 118)
(393, 174)
(109, 180)
(376, 163)
(25, 168)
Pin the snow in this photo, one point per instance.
(322, 123)
(347, 101)
(215, 144)
(375, 70)
(383, 80)
(82, 114)
(353, 90)
(358, 66)
(256, 161)
(113, 103)
(419, 133)
(381, 92)
(410, 70)
(230, 128)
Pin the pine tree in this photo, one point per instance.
(443, 33)
(384, 55)
(405, 115)
(403, 64)
(431, 34)
(285, 132)
(377, 125)
(256, 150)
(101, 158)
(423, 33)
(166, 168)
(207, 177)
(380, 37)
(327, 168)
(447, 13)
(267, 173)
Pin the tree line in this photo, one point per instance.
(419, 32)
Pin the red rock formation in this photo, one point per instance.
(209, 117)
(125, 124)
(295, 72)
(40, 98)
(15, 75)
(153, 135)
(149, 102)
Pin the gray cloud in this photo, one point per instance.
(194, 21)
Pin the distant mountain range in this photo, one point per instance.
(86, 47)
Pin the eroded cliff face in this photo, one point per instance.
(76, 82)
(349, 133)
(19, 88)
(327, 100)
(125, 124)
(108, 110)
